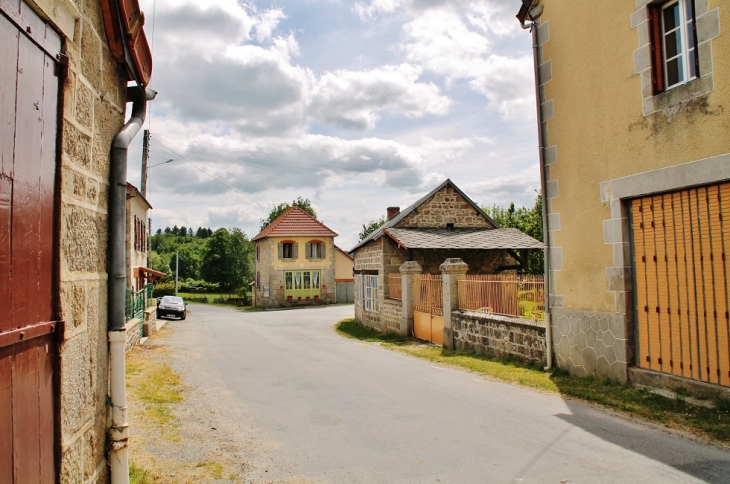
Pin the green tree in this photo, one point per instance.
(371, 227)
(529, 221)
(189, 262)
(227, 259)
(303, 203)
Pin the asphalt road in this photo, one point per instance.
(323, 408)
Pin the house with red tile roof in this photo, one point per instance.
(296, 262)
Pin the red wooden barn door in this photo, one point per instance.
(29, 89)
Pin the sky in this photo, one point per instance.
(355, 105)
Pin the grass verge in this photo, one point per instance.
(157, 386)
(215, 468)
(627, 399)
(137, 475)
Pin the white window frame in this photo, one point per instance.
(687, 43)
(358, 288)
(317, 250)
(371, 293)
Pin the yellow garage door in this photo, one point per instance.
(681, 244)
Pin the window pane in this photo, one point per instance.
(692, 66)
(688, 5)
(307, 280)
(315, 279)
(298, 280)
(675, 72)
(673, 44)
(671, 17)
(288, 279)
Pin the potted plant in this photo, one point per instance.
(289, 298)
(307, 298)
(316, 298)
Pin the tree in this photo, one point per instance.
(227, 259)
(189, 262)
(371, 227)
(529, 221)
(303, 203)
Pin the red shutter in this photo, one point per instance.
(657, 62)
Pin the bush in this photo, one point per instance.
(164, 289)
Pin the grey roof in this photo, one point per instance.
(443, 238)
(376, 234)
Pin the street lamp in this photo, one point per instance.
(145, 174)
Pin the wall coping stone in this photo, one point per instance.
(454, 266)
(410, 267)
(500, 318)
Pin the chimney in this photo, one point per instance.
(393, 211)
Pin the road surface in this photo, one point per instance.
(323, 408)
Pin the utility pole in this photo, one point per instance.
(145, 155)
(177, 264)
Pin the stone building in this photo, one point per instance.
(63, 96)
(295, 261)
(444, 224)
(635, 156)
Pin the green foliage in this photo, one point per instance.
(529, 221)
(303, 203)
(371, 227)
(228, 259)
(353, 329)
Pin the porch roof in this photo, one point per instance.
(442, 238)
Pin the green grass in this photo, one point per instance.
(157, 386)
(137, 475)
(215, 468)
(627, 399)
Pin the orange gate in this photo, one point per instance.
(681, 246)
(428, 308)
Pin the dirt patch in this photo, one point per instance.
(184, 425)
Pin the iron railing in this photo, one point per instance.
(508, 295)
(137, 301)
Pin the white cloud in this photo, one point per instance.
(352, 99)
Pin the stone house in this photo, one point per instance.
(62, 101)
(138, 274)
(635, 159)
(296, 261)
(443, 224)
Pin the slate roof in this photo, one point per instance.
(295, 222)
(443, 238)
(376, 234)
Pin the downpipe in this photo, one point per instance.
(543, 194)
(119, 431)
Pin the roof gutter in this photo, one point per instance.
(117, 282)
(532, 25)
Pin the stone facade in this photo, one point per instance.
(479, 261)
(370, 258)
(499, 336)
(391, 312)
(92, 112)
(443, 207)
(136, 255)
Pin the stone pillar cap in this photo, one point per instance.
(410, 267)
(454, 266)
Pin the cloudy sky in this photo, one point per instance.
(356, 105)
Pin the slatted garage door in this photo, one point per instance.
(681, 242)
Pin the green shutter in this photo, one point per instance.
(281, 250)
(295, 251)
(308, 250)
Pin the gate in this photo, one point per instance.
(29, 89)
(345, 292)
(681, 245)
(428, 304)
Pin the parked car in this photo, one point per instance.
(171, 306)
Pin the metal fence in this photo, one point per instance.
(136, 302)
(428, 294)
(509, 295)
(395, 288)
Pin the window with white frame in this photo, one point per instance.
(358, 288)
(371, 293)
(674, 44)
(315, 249)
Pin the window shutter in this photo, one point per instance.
(281, 250)
(295, 251)
(657, 61)
(308, 250)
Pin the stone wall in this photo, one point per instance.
(263, 269)
(134, 334)
(445, 206)
(93, 111)
(499, 336)
(592, 343)
(370, 258)
(479, 261)
(391, 313)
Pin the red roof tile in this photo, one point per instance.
(295, 222)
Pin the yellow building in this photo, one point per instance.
(295, 261)
(635, 156)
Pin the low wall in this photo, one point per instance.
(133, 334)
(150, 321)
(499, 336)
(392, 312)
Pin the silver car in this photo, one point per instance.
(171, 306)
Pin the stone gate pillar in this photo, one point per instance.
(407, 270)
(451, 269)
